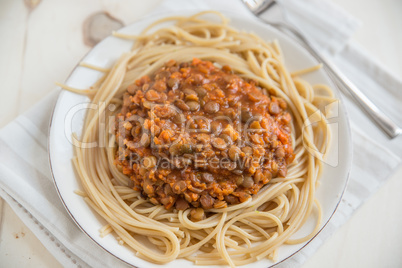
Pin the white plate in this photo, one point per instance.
(333, 181)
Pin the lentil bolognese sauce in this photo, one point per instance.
(196, 135)
(212, 157)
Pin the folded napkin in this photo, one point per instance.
(26, 183)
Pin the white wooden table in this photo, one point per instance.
(41, 46)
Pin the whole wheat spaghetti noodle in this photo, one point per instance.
(238, 234)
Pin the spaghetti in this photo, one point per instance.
(234, 235)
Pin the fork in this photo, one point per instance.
(257, 7)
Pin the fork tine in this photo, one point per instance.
(259, 6)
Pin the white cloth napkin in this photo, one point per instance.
(26, 183)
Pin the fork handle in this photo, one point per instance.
(380, 118)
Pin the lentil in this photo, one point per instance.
(211, 164)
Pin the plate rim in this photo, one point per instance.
(256, 20)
